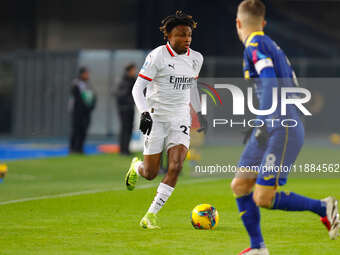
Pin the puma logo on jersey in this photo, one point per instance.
(172, 66)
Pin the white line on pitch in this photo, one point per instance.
(85, 192)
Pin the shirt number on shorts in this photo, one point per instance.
(185, 129)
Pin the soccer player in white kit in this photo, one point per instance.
(169, 75)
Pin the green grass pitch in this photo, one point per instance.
(87, 210)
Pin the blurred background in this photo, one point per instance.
(44, 42)
(52, 203)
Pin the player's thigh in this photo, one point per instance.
(152, 163)
(282, 150)
(176, 157)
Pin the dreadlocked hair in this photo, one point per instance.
(180, 18)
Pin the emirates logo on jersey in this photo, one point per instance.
(181, 82)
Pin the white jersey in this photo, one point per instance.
(171, 76)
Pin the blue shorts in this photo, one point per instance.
(273, 162)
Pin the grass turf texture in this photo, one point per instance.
(107, 222)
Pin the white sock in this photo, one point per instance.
(163, 193)
(137, 165)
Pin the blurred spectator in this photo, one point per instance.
(126, 107)
(83, 101)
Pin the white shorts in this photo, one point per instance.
(166, 135)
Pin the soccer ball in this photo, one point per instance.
(204, 216)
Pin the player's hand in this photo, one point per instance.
(203, 123)
(247, 134)
(145, 123)
(261, 135)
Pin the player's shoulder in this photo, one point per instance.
(157, 52)
(258, 40)
(196, 55)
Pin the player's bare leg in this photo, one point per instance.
(242, 186)
(148, 169)
(263, 196)
(176, 157)
(150, 166)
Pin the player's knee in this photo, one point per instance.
(175, 167)
(240, 186)
(150, 176)
(263, 200)
(234, 186)
(150, 173)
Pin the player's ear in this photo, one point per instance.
(238, 23)
(264, 23)
(169, 36)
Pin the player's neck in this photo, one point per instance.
(179, 52)
(248, 32)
